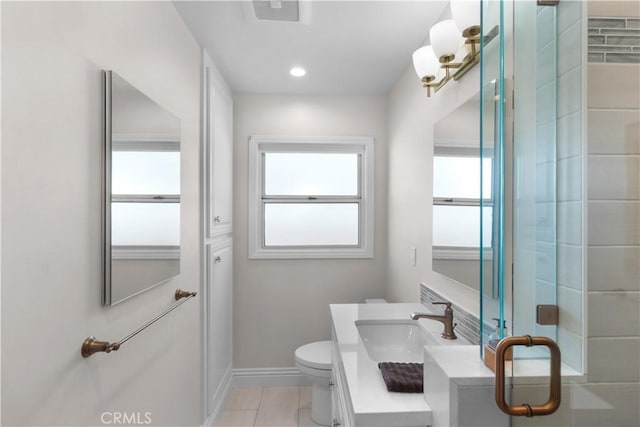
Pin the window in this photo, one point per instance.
(310, 197)
(456, 203)
(145, 197)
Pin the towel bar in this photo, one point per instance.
(91, 345)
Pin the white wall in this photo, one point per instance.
(282, 304)
(411, 121)
(410, 179)
(52, 57)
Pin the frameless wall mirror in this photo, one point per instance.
(141, 192)
(461, 178)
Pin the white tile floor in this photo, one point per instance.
(268, 406)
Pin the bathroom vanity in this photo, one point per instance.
(458, 387)
(362, 336)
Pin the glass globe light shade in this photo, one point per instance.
(425, 62)
(465, 13)
(445, 38)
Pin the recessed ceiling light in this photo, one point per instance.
(297, 71)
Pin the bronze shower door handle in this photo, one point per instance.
(555, 384)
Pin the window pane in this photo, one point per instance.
(459, 177)
(318, 174)
(460, 226)
(145, 224)
(311, 224)
(149, 172)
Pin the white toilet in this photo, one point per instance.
(314, 361)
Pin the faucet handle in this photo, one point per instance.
(448, 309)
(447, 303)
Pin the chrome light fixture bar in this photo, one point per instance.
(453, 47)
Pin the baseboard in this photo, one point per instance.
(268, 377)
(220, 398)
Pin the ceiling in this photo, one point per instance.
(347, 47)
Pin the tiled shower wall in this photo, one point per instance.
(570, 201)
(543, 150)
(614, 40)
(613, 175)
(549, 204)
(613, 229)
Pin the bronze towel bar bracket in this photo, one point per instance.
(184, 294)
(91, 345)
(555, 384)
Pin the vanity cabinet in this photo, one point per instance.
(341, 416)
(359, 395)
(460, 390)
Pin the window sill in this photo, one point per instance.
(460, 253)
(133, 252)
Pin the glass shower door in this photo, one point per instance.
(494, 293)
(535, 168)
(518, 132)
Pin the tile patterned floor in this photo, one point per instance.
(268, 406)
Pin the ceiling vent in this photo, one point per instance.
(277, 10)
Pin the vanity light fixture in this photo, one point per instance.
(453, 47)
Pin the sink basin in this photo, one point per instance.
(394, 341)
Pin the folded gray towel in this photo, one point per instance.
(403, 377)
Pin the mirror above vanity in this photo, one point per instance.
(457, 192)
(141, 192)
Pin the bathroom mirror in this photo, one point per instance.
(457, 182)
(141, 192)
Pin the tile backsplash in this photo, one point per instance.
(614, 40)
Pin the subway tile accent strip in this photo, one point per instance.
(614, 40)
(468, 324)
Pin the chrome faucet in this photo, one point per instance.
(446, 319)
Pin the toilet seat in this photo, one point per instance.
(316, 355)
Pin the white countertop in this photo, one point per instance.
(371, 402)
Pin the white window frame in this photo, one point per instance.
(259, 144)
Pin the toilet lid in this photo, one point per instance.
(315, 355)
